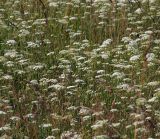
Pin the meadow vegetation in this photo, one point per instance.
(79, 69)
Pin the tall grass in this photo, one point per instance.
(79, 69)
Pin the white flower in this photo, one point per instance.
(37, 66)
(2, 113)
(153, 99)
(100, 71)
(144, 36)
(79, 81)
(114, 110)
(76, 1)
(84, 111)
(99, 124)
(70, 135)
(157, 41)
(138, 11)
(46, 125)
(101, 137)
(20, 72)
(86, 118)
(100, 0)
(106, 43)
(57, 87)
(150, 56)
(63, 52)
(115, 124)
(23, 62)
(34, 82)
(63, 21)
(136, 123)
(154, 83)
(51, 137)
(11, 42)
(134, 58)
(7, 77)
(15, 118)
(72, 108)
(132, 43)
(104, 56)
(126, 39)
(5, 128)
(149, 32)
(32, 45)
(9, 64)
(123, 86)
(50, 53)
(23, 33)
(11, 54)
(121, 1)
(53, 4)
(30, 115)
(117, 74)
(39, 22)
(141, 101)
(52, 81)
(150, 1)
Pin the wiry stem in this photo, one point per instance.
(44, 11)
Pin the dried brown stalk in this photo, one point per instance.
(45, 11)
